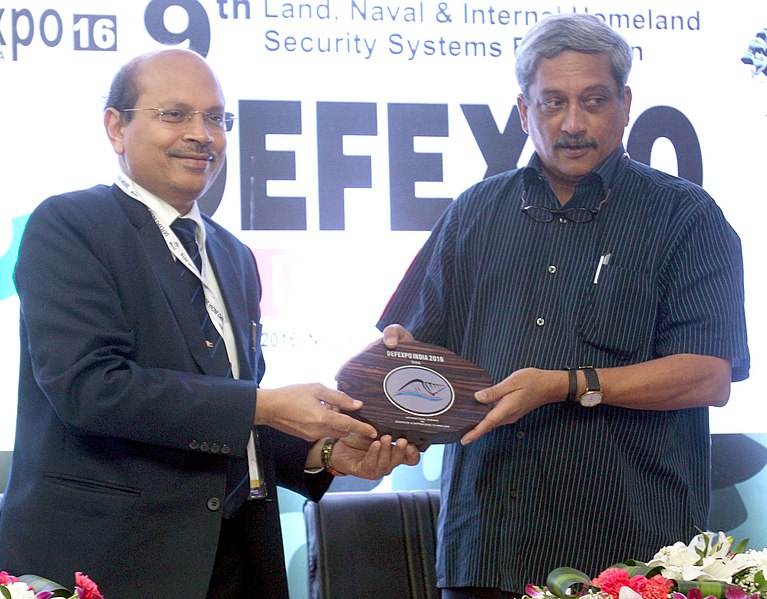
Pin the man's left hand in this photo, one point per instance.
(360, 457)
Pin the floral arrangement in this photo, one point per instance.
(35, 587)
(711, 566)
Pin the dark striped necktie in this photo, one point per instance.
(186, 231)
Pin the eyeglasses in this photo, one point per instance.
(575, 215)
(214, 120)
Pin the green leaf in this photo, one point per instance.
(566, 582)
(5, 592)
(707, 587)
(38, 583)
(636, 568)
(759, 581)
(740, 547)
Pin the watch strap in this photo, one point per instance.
(572, 390)
(592, 380)
(325, 454)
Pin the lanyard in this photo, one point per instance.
(212, 301)
(213, 305)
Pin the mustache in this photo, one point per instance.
(193, 150)
(575, 141)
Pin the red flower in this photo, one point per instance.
(657, 587)
(612, 580)
(86, 588)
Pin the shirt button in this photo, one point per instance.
(214, 504)
(540, 322)
(514, 494)
(520, 434)
(552, 269)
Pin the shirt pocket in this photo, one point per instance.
(617, 315)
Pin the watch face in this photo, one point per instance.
(590, 399)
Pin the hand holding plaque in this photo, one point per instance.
(422, 392)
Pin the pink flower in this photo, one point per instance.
(15, 587)
(735, 592)
(86, 588)
(535, 592)
(612, 580)
(657, 587)
(691, 594)
(6, 578)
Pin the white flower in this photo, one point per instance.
(675, 557)
(20, 590)
(724, 568)
(628, 593)
(760, 559)
(678, 561)
(707, 557)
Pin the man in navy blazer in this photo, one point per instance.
(132, 454)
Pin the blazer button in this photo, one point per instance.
(215, 448)
(214, 504)
(204, 446)
(225, 449)
(194, 444)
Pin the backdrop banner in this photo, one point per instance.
(358, 122)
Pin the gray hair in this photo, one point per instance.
(124, 91)
(554, 34)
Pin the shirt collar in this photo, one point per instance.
(609, 170)
(607, 173)
(164, 212)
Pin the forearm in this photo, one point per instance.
(674, 382)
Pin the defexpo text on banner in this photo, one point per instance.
(500, 149)
(484, 31)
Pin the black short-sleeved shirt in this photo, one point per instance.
(568, 485)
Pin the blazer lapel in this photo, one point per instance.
(166, 270)
(232, 286)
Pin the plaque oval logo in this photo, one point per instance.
(418, 390)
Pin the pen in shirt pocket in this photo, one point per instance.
(604, 260)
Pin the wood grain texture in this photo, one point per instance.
(422, 392)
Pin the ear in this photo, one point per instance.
(522, 107)
(627, 104)
(115, 129)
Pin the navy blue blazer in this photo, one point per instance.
(123, 443)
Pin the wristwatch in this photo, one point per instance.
(325, 453)
(592, 396)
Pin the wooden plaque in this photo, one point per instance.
(424, 393)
